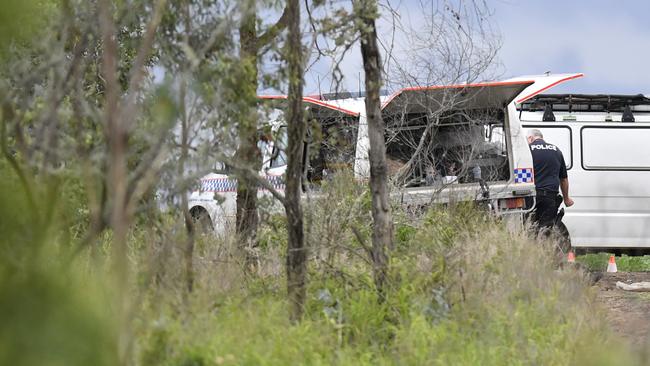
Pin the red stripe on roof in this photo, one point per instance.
(272, 96)
(331, 106)
(313, 101)
(455, 86)
(523, 99)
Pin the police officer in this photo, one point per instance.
(550, 177)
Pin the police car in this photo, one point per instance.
(605, 140)
(443, 143)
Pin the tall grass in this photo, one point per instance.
(463, 291)
(598, 262)
(53, 309)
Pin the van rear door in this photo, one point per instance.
(440, 137)
(460, 97)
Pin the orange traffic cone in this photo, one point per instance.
(571, 258)
(611, 266)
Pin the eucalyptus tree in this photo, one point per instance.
(296, 129)
(76, 103)
(251, 46)
(366, 12)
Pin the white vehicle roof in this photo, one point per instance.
(462, 96)
(422, 98)
(570, 107)
(542, 83)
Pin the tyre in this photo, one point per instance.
(202, 220)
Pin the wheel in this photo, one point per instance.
(202, 220)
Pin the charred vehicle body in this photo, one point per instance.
(443, 143)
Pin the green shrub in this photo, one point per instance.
(463, 290)
(53, 311)
(598, 262)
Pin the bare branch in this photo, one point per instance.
(138, 69)
(273, 31)
(361, 241)
(242, 170)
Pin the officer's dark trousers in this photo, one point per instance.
(546, 210)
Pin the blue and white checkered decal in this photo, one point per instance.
(524, 175)
(276, 181)
(219, 185)
(230, 184)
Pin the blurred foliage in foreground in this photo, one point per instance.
(464, 291)
(53, 309)
(21, 20)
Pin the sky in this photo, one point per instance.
(608, 41)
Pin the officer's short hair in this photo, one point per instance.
(533, 132)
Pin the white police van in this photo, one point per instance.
(444, 144)
(605, 140)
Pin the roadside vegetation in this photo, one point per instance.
(598, 262)
(461, 290)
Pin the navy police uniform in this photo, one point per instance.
(549, 165)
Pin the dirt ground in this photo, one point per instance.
(627, 312)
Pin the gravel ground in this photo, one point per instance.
(627, 312)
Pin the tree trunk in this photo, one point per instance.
(116, 179)
(248, 155)
(382, 233)
(188, 251)
(296, 128)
